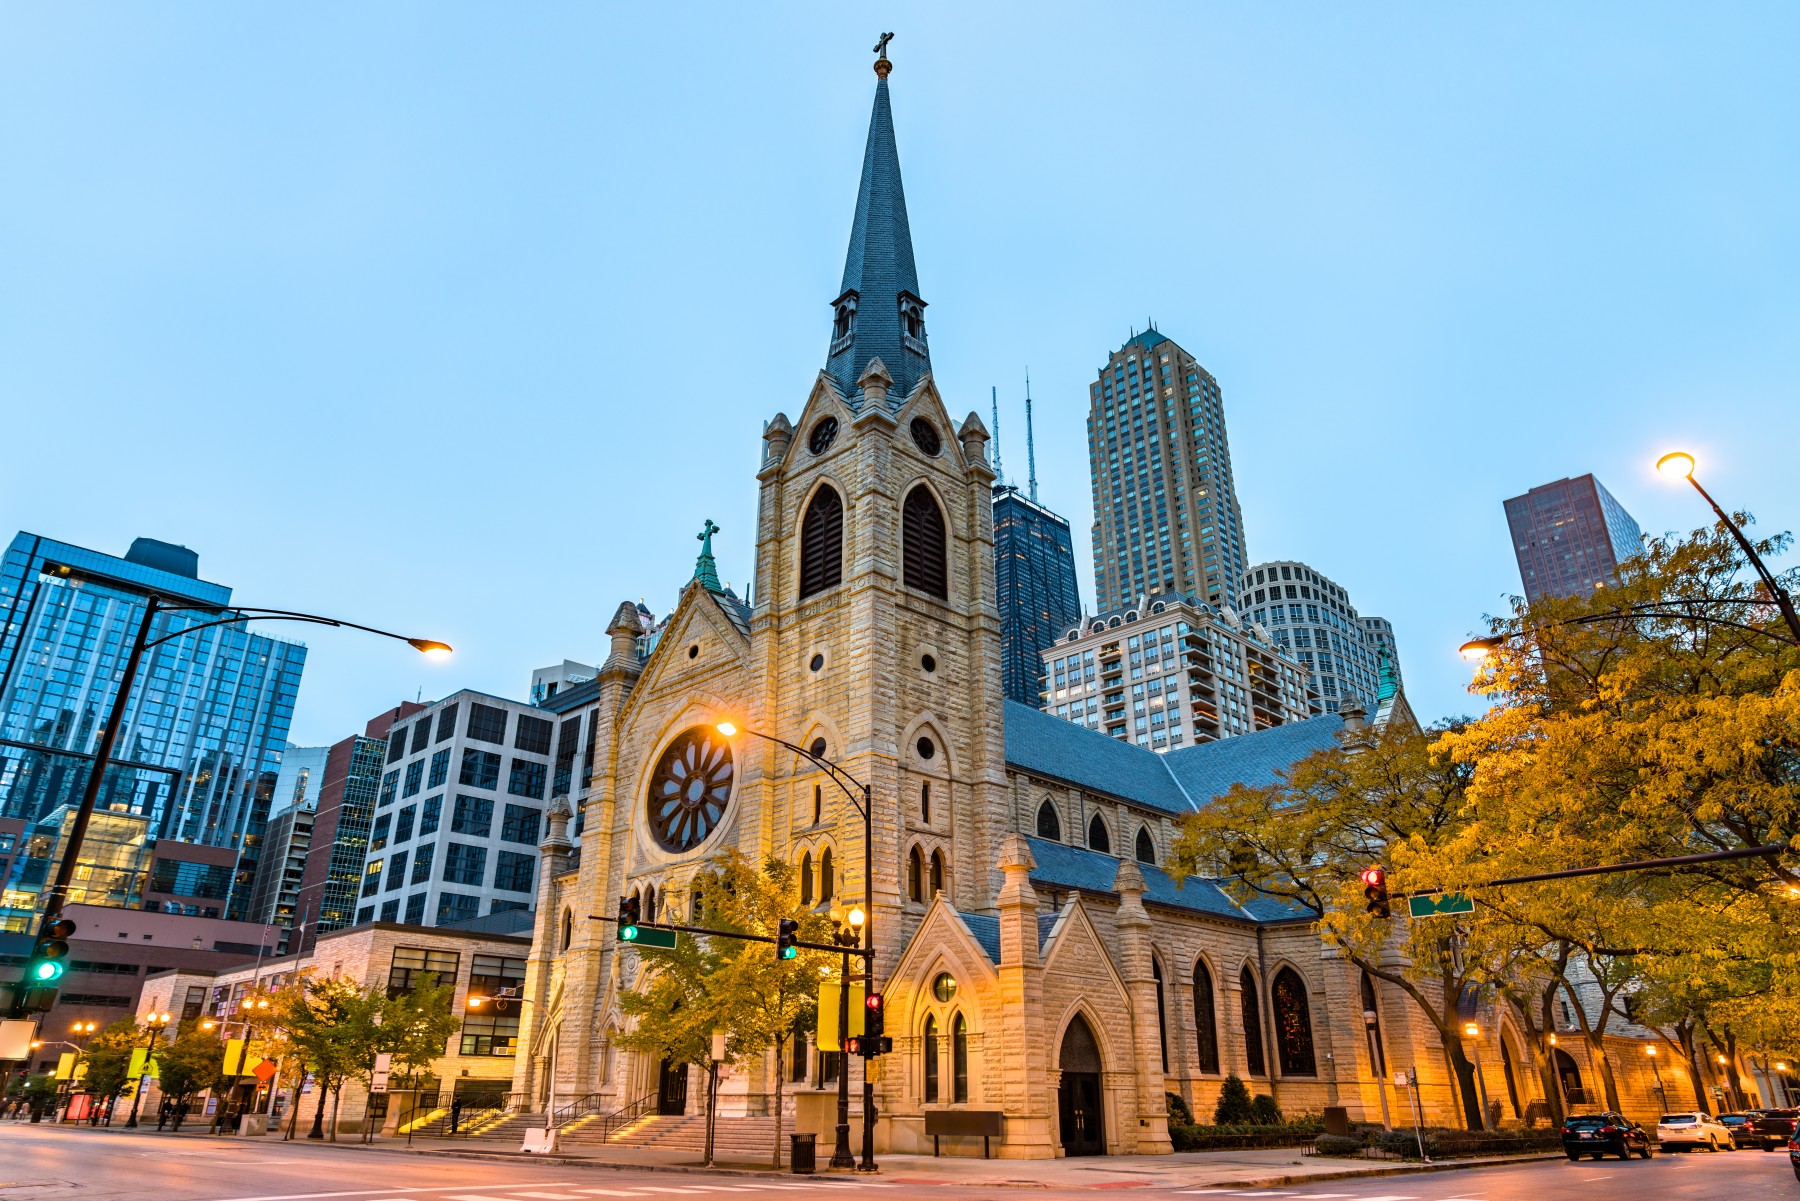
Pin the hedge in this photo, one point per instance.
(1241, 1137)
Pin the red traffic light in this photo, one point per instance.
(873, 1000)
(1374, 877)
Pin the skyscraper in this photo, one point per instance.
(1165, 507)
(1034, 583)
(203, 734)
(1312, 617)
(1570, 537)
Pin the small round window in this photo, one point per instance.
(925, 436)
(927, 748)
(944, 987)
(928, 662)
(817, 749)
(694, 651)
(818, 662)
(823, 435)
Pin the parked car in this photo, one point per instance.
(1743, 1129)
(1604, 1133)
(1794, 1154)
(1685, 1131)
(1776, 1127)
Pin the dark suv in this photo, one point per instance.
(1776, 1126)
(1743, 1129)
(1605, 1133)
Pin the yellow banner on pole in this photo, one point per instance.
(65, 1065)
(234, 1055)
(136, 1069)
(828, 1014)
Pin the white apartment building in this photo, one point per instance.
(1312, 618)
(1171, 671)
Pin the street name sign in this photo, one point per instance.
(650, 936)
(1449, 902)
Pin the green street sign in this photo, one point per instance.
(1448, 902)
(649, 936)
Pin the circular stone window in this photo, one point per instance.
(823, 435)
(926, 748)
(944, 987)
(925, 436)
(928, 662)
(818, 662)
(694, 651)
(817, 749)
(689, 789)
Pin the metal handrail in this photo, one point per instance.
(579, 1107)
(625, 1115)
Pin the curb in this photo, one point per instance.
(1451, 1165)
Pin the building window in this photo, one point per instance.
(1048, 825)
(915, 875)
(806, 878)
(403, 824)
(440, 768)
(390, 787)
(473, 815)
(1206, 1025)
(925, 802)
(455, 907)
(937, 872)
(959, 1059)
(490, 1033)
(822, 542)
(365, 914)
(421, 735)
(1146, 847)
(480, 769)
(487, 724)
(372, 878)
(526, 779)
(390, 910)
(818, 803)
(514, 872)
(1293, 1025)
(464, 864)
(931, 1059)
(797, 1067)
(488, 974)
(396, 747)
(446, 722)
(1097, 836)
(422, 856)
(1252, 1025)
(532, 734)
(416, 967)
(428, 815)
(520, 824)
(415, 778)
(396, 870)
(924, 552)
(415, 909)
(827, 885)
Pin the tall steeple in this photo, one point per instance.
(878, 313)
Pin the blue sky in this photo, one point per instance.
(461, 318)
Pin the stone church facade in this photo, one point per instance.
(1035, 957)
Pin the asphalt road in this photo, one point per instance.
(46, 1164)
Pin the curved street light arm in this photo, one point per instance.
(239, 616)
(1776, 591)
(846, 783)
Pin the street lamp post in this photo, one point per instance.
(861, 796)
(1661, 1095)
(1681, 464)
(511, 993)
(56, 896)
(1787, 1092)
(1473, 1031)
(1377, 1063)
(156, 1022)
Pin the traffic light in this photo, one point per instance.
(787, 933)
(1375, 890)
(874, 1019)
(630, 911)
(47, 965)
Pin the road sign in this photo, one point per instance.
(378, 1079)
(650, 936)
(1449, 902)
(263, 1070)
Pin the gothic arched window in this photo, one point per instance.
(1162, 1027)
(1097, 837)
(650, 902)
(806, 879)
(923, 546)
(1146, 848)
(931, 1059)
(915, 875)
(925, 802)
(818, 802)
(1206, 1022)
(1048, 825)
(827, 886)
(959, 1060)
(822, 542)
(1293, 1025)
(1252, 1017)
(937, 872)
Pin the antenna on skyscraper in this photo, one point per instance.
(1030, 446)
(999, 471)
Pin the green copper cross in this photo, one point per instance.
(705, 536)
(704, 569)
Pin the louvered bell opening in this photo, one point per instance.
(922, 535)
(822, 543)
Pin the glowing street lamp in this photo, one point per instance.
(1678, 465)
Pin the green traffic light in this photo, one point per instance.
(790, 952)
(628, 933)
(46, 970)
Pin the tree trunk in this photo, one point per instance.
(779, 1043)
(1463, 1072)
(1597, 1051)
(318, 1126)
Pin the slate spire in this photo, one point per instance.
(878, 313)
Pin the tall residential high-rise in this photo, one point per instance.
(287, 840)
(1570, 537)
(203, 733)
(1165, 508)
(1313, 618)
(1034, 583)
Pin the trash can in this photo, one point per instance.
(803, 1153)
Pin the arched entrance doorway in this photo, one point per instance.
(1569, 1075)
(671, 1089)
(1079, 1102)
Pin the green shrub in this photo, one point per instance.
(1264, 1111)
(1179, 1113)
(1337, 1144)
(1234, 1108)
(1404, 1143)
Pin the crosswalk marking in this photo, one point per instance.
(613, 1192)
(550, 1196)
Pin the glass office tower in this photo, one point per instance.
(1034, 583)
(201, 743)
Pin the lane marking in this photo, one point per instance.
(549, 1196)
(377, 1192)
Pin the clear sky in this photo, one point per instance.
(461, 318)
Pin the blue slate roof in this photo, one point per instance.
(1210, 769)
(1046, 745)
(986, 930)
(1059, 865)
(879, 267)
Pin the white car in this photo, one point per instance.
(1680, 1131)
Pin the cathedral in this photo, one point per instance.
(1036, 959)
